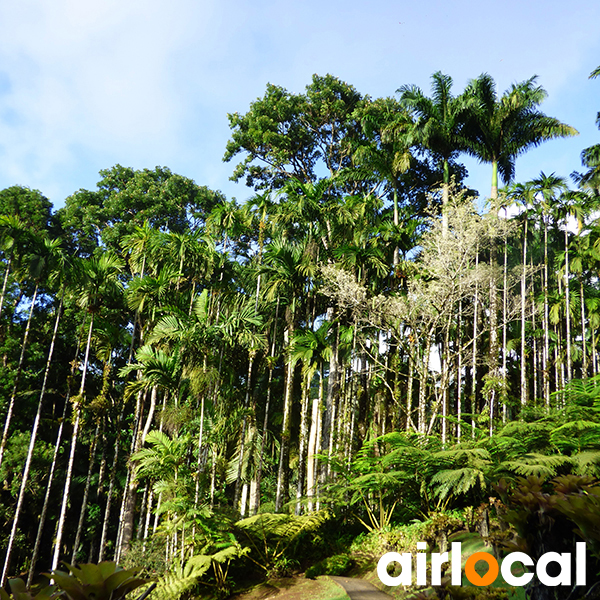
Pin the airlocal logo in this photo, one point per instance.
(437, 559)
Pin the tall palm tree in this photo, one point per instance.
(590, 157)
(548, 188)
(59, 267)
(13, 233)
(439, 125)
(100, 281)
(313, 349)
(38, 263)
(285, 266)
(524, 194)
(502, 128)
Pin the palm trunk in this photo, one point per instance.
(303, 441)
(86, 494)
(38, 539)
(238, 481)
(422, 425)
(504, 328)
(32, 440)
(523, 299)
(74, 436)
(445, 199)
(409, 393)
(546, 366)
(584, 358)
(474, 360)
(4, 282)
(254, 507)
(13, 396)
(568, 307)
(312, 450)
(459, 375)
(284, 453)
(111, 487)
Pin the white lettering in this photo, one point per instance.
(508, 562)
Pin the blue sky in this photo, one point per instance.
(86, 85)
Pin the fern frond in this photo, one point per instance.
(453, 482)
(538, 465)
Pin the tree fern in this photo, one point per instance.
(183, 579)
(453, 482)
(536, 464)
(270, 535)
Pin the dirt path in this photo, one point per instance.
(358, 589)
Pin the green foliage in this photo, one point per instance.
(19, 591)
(104, 581)
(184, 579)
(339, 564)
(271, 535)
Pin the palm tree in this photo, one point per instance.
(547, 188)
(590, 158)
(37, 265)
(525, 195)
(60, 269)
(313, 349)
(500, 129)
(285, 266)
(386, 152)
(439, 125)
(100, 282)
(13, 232)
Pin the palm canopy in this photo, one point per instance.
(439, 120)
(502, 128)
(590, 158)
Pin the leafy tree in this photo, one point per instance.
(127, 198)
(286, 135)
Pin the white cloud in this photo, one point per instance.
(84, 85)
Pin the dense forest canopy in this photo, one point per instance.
(356, 337)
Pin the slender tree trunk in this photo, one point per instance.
(504, 331)
(546, 369)
(409, 393)
(32, 439)
(111, 487)
(284, 453)
(4, 282)
(42, 521)
(474, 360)
(523, 299)
(254, 508)
(13, 396)
(445, 199)
(86, 493)
(74, 436)
(459, 375)
(312, 447)
(568, 307)
(332, 393)
(238, 481)
(127, 512)
(303, 440)
(423, 386)
(584, 356)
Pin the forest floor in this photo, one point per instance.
(359, 589)
(361, 584)
(296, 588)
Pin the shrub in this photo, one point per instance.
(339, 564)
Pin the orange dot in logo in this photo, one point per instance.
(473, 576)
